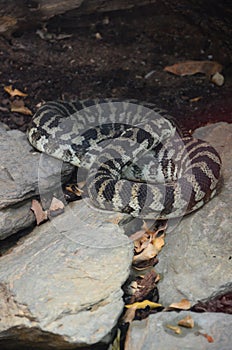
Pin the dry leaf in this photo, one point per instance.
(40, 214)
(56, 207)
(14, 92)
(137, 235)
(143, 286)
(176, 329)
(56, 204)
(184, 304)
(116, 343)
(7, 23)
(18, 106)
(158, 243)
(76, 188)
(187, 322)
(129, 314)
(147, 232)
(195, 99)
(208, 337)
(192, 67)
(148, 253)
(148, 247)
(143, 304)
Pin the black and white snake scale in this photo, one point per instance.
(139, 161)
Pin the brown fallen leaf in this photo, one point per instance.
(143, 304)
(187, 322)
(142, 287)
(208, 337)
(40, 214)
(148, 253)
(192, 67)
(176, 329)
(129, 314)
(146, 231)
(158, 243)
(56, 207)
(7, 24)
(195, 99)
(148, 248)
(76, 188)
(184, 304)
(14, 92)
(19, 107)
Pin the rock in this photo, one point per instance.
(196, 260)
(15, 218)
(63, 282)
(61, 286)
(153, 334)
(22, 170)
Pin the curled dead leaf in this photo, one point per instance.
(14, 92)
(19, 107)
(193, 67)
(76, 188)
(176, 329)
(158, 243)
(187, 322)
(147, 248)
(148, 253)
(147, 232)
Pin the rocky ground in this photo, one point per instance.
(58, 291)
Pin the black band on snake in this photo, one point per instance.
(140, 162)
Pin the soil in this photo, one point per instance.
(120, 54)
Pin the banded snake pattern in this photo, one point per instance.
(139, 161)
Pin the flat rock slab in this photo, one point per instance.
(153, 334)
(196, 260)
(63, 282)
(21, 171)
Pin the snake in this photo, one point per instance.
(139, 160)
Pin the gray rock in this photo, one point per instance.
(15, 218)
(153, 334)
(22, 176)
(196, 260)
(63, 282)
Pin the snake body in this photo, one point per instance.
(139, 161)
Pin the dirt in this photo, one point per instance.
(120, 54)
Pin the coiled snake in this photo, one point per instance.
(139, 161)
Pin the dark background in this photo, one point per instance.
(119, 54)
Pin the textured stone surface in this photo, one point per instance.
(196, 260)
(21, 171)
(15, 218)
(61, 287)
(63, 282)
(152, 333)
